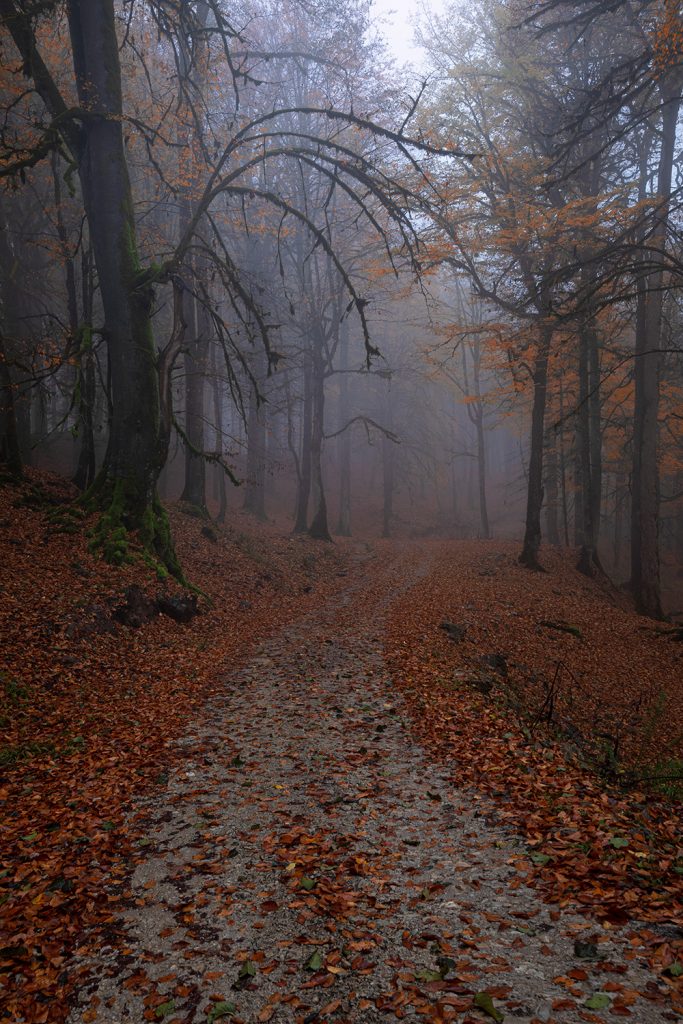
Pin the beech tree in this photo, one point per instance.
(90, 134)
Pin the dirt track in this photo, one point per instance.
(308, 863)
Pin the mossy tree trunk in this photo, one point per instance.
(125, 488)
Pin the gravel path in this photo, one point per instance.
(308, 863)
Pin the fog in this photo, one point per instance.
(358, 299)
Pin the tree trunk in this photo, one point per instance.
(551, 507)
(125, 488)
(532, 534)
(645, 578)
(86, 385)
(485, 530)
(319, 528)
(194, 490)
(304, 476)
(589, 438)
(10, 449)
(477, 414)
(218, 424)
(563, 471)
(254, 498)
(344, 525)
(387, 470)
(10, 454)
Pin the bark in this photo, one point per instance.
(194, 490)
(645, 571)
(218, 420)
(304, 459)
(620, 497)
(10, 449)
(86, 387)
(196, 315)
(595, 421)
(387, 471)
(563, 472)
(532, 533)
(319, 528)
(589, 438)
(476, 413)
(125, 488)
(344, 524)
(254, 498)
(551, 507)
(10, 453)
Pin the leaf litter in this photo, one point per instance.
(295, 854)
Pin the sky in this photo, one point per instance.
(397, 28)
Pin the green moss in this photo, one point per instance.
(11, 754)
(124, 532)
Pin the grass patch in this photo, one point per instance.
(11, 754)
(666, 777)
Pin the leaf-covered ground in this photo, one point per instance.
(311, 803)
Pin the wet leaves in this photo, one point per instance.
(220, 1011)
(71, 852)
(88, 710)
(484, 1002)
(598, 1001)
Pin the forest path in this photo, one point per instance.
(309, 863)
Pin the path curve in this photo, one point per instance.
(308, 863)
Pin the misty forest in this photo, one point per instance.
(341, 511)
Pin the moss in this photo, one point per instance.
(11, 754)
(84, 339)
(194, 511)
(124, 532)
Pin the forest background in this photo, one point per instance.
(236, 246)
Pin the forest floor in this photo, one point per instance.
(312, 803)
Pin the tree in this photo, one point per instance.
(91, 135)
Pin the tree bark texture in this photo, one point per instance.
(645, 572)
(532, 532)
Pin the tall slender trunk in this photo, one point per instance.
(10, 453)
(484, 528)
(319, 528)
(254, 497)
(344, 525)
(563, 470)
(620, 498)
(595, 421)
(86, 384)
(551, 509)
(304, 477)
(475, 412)
(196, 352)
(10, 449)
(387, 469)
(532, 533)
(589, 438)
(645, 573)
